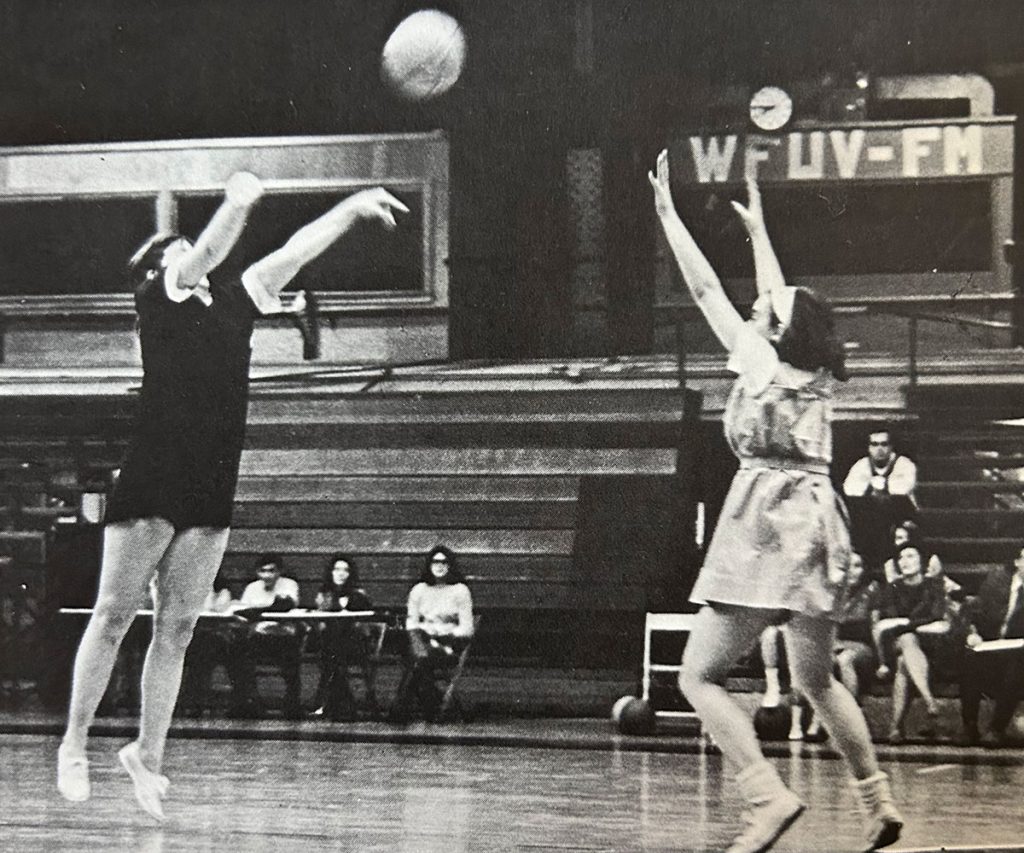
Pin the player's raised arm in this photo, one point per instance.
(700, 277)
(768, 275)
(242, 191)
(273, 272)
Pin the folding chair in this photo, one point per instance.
(447, 678)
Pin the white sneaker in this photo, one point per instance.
(72, 776)
(882, 822)
(771, 809)
(150, 787)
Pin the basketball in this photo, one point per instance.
(620, 703)
(637, 718)
(772, 723)
(424, 55)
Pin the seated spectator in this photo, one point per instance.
(908, 608)
(883, 472)
(439, 624)
(342, 642)
(908, 531)
(210, 647)
(854, 648)
(996, 613)
(280, 642)
(880, 490)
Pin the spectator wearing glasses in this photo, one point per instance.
(880, 490)
(438, 625)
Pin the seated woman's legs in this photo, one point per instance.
(918, 668)
(339, 651)
(900, 702)
(912, 673)
(443, 655)
(424, 656)
(417, 654)
(855, 663)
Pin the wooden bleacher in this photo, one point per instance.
(970, 463)
(511, 474)
(565, 496)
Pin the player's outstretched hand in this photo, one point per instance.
(377, 204)
(243, 189)
(659, 179)
(752, 215)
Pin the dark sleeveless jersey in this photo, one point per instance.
(183, 462)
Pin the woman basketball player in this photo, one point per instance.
(171, 508)
(782, 544)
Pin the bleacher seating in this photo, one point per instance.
(971, 476)
(561, 496)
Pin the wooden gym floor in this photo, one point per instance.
(539, 785)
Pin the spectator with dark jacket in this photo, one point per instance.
(909, 604)
(342, 642)
(996, 613)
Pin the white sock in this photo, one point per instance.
(772, 688)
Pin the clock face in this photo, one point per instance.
(770, 108)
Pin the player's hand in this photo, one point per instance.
(973, 639)
(377, 204)
(659, 179)
(243, 189)
(752, 215)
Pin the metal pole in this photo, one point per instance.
(913, 353)
(681, 348)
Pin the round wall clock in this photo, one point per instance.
(770, 108)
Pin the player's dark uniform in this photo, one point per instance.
(183, 461)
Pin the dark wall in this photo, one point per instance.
(112, 70)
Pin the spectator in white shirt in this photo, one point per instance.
(882, 472)
(439, 624)
(880, 489)
(280, 642)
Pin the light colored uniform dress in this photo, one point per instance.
(782, 540)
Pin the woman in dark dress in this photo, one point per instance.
(907, 607)
(342, 643)
(171, 509)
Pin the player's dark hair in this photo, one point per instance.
(148, 256)
(810, 341)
